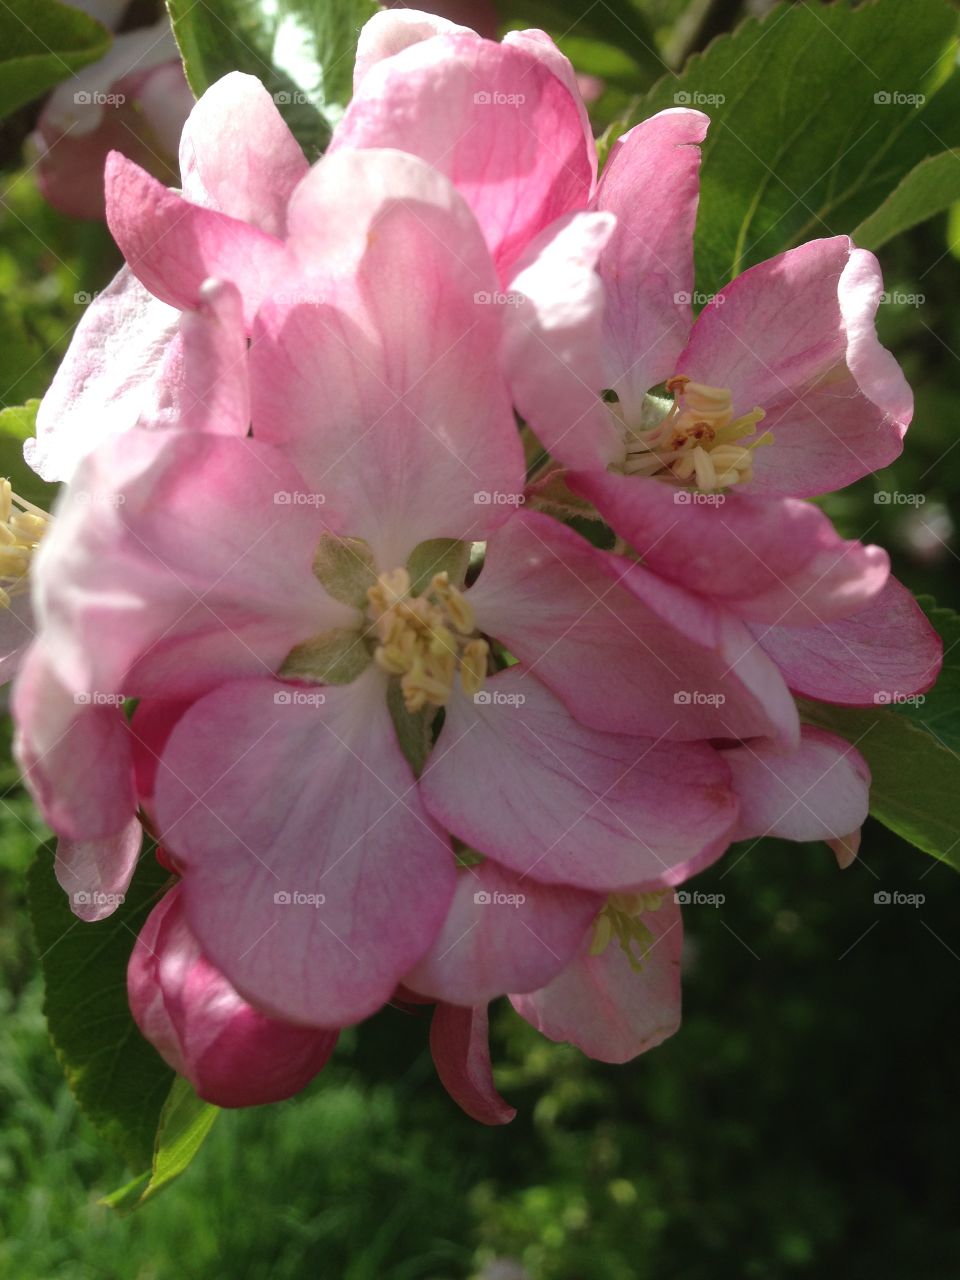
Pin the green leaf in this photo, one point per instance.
(302, 50)
(816, 119)
(916, 780)
(928, 189)
(612, 40)
(42, 43)
(913, 750)
(184, 1124)
(938, 712)
(20, 421)
(118, 1078)
(16, 425)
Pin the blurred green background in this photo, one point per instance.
(803, 1122)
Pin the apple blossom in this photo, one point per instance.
(233, 1055)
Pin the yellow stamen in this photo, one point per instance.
(22, 525)
(622, 918)
(698, 441)
(426, 639)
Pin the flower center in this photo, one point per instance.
(698, 441)
(22, 525)
(622, 918)
(426, 639)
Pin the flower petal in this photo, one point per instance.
(494, 118)
(74, 753)
(795, 336)
(232, 1054)
(94, 874)
(651, 184)
(314, 878)
(215, 392)
(817, 791)
(238, 156)
(173, 246)
(552, 343)
(767, 560)
(604, 1006)
(502, 933)
(118, 370)
(625, 651)
(17, 629)
(885, 652)
(461, 1054)
(388, 393)
(391, 31)
(182, 553)
(599, 811)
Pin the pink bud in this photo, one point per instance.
(232, 1054)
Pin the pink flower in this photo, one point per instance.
(239, 165)
(780, 390)
(262, 597)
(134, 100)
(233, 1055)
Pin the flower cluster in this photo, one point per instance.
(402, 730)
